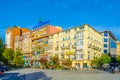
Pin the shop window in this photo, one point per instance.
(84, 65)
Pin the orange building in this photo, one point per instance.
(18, 39)
(11, 34)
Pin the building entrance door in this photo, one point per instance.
(77, 66)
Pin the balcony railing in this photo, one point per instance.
(65, 47)
(56, 48)
(73, 46)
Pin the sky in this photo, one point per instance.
(100, 14)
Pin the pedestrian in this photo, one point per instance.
(112, 69)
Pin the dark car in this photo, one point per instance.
(4, 68)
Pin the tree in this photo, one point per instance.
(104, 59)
(8, 54)
(118, 59)
(18, 61)
(44, 61)
(95, 62)
(2, 47)
(55, 61)
(68, 63)
(99, 61)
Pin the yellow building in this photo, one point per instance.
(118, 48)
(80, 44)
(26, 46)
(40, 42)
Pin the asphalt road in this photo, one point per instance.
(40, 74)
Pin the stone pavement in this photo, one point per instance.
(43, 74)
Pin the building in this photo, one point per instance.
(109, 43)
(40, 42)
(26, 47)
(80, 44)
(18, 38)
(11, 33)
(118, 48)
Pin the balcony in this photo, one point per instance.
(70, 53)
(65, 47)
(34, 42)
(79, 50)
(56, 48)
(73, 46)
(42, 36)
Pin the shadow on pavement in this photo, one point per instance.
(31, 76)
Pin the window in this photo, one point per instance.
(65, 31)
(105, 50)
(63, 45)
(88, 57)
(46, 42)
(75, 44)
(106, 34)
(81, 27)
(38, 52)
(74, 37)
(112, 43)
(105, 45)
(105, 40)
(68, 37)
(84, 65)
(63, 39)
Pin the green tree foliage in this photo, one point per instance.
(44, 61)
(2, 47)
(104, 59)
(118, 59)
(95, 62)
(8, 54)
(55, 61)
(18, 61)
(68, 63)
(99, 61)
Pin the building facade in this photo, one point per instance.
(18, 39)
(109, 43)
(118, 48)
(26, 47)
(40, 42)
(81, 45)
(11, 33)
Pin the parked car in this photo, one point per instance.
(4, 68)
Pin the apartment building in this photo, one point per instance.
(110, 43)
(80, 44)
(18, 39)
(26, 47)
(11, 33)
(40, 42)
(118, 48)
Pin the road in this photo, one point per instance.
(42, 74)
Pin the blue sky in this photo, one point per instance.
(100, 14)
